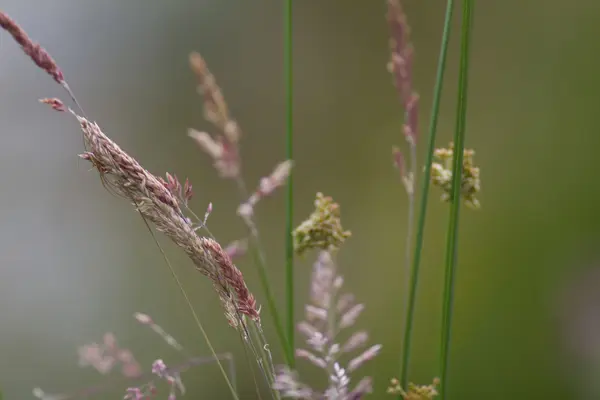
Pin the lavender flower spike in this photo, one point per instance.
(328, 315)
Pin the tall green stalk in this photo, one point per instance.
(414, 280)
(452, 238)
(259, 261)
(289, 245)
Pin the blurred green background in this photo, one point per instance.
(78, 262)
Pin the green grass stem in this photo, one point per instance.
(414, 279)
(259, 261)
(452, 237)
(289, 204)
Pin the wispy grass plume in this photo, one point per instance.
(125, 176)
(224, 150)
(37, 53)
(401, 68)
(328, 316)
(156, 201)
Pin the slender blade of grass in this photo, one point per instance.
(259, 261)
(414, 279)
(452, 237)
(265, 360)
(191, 307)
(289, 246)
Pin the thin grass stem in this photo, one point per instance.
(410, 218)
(94, 391)
(192, 309)
(452, 237)
(264, 358)
(260, 262)
(289, 206)
(437, 92)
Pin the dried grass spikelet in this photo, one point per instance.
(36, 52)
(56, 104)
(401, 50)
(401, 68)
(225, 154)
(125, 176)
(215, 107)
(153, 197)
(223, 148)
(267, 186)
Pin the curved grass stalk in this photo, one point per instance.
(193, 310)
(260, 262)
(410, 310)
(261, 265)
(257, 343)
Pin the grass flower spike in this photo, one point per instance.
(267, 186)
(36, 52)
(441, 175)
(327, 317)
(401, 66)
(415, 392)
(224, 149)
(154, 199)
(105, 356)
(323, 229)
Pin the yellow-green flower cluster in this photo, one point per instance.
(323, 228)
(415, 392)
(441, 175)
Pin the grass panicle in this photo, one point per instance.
(401, 68)
(37, 53)
(328, 317)
(156, 202)
(224, 150)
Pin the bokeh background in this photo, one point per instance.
(77, 262)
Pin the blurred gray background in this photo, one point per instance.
(77, 262)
